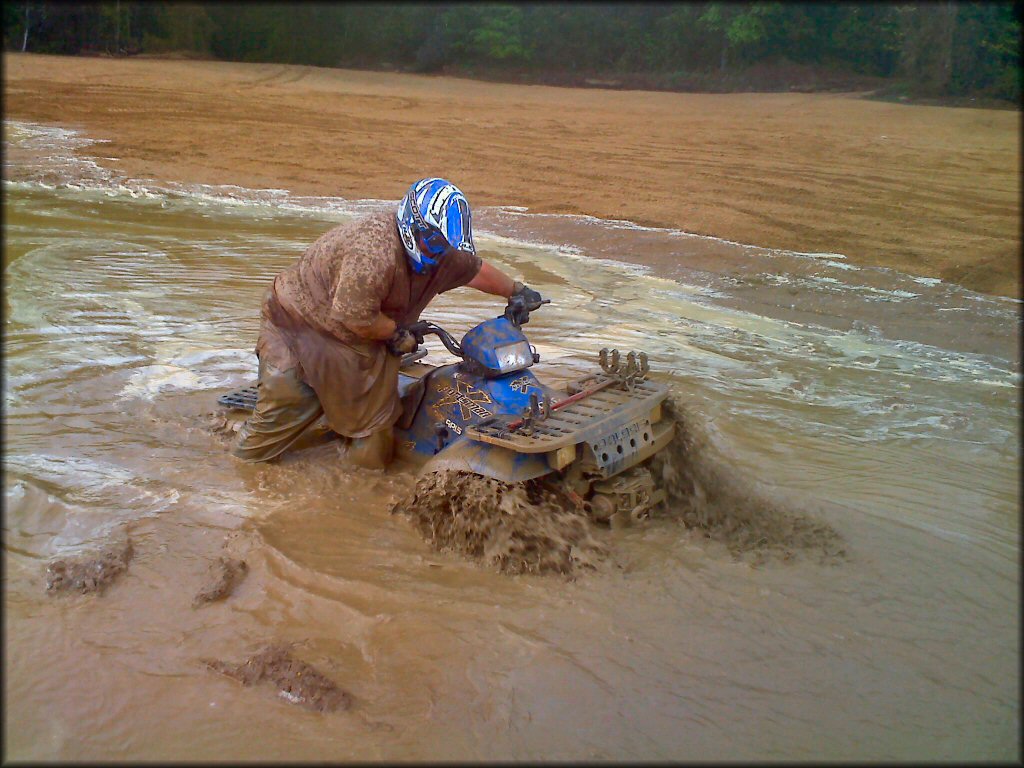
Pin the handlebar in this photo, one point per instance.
(425, 327)
(517, 311)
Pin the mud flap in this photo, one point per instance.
(410, 393)
(489, 461)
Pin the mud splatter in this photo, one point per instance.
(225, 574)
(707, 494)
(516, 528)
(88, 574)
(297, 682)
(223, 424)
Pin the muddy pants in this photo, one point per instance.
(285, 408)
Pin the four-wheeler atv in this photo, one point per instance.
(488, 414)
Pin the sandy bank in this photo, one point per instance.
(932, 191)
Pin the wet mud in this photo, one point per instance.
(525, 528)
(223, 424)
(866, 432)
(296, 681)
(514, 528)
(752, 520)
(88, 575)
(225, 574)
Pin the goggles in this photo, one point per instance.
(428, 237)
(434, 242)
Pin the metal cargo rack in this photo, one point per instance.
(244, 398)
(583, 421)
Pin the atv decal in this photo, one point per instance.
(469, 399)
(522, 384)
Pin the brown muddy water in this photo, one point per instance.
(886, 404)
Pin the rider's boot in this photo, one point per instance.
(371, 452)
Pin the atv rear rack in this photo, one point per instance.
(245, 398)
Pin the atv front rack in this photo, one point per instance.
(590, 420)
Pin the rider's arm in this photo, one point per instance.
(361, 286)
(492, 280)
(380, 329)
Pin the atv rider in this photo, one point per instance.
(333, 325)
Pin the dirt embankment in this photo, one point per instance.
(932, 191)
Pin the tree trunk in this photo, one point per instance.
(910, 39)
(24, 40)
(117, 28)
(944, 54)
(927, 51)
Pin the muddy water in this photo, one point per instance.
(887, 403)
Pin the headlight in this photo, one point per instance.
(514, 357)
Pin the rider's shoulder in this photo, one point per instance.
(363, 234)
(367, 230)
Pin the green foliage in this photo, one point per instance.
(954, 48)
(746, 29)
(866, 36)
(14, 24)
(986, 50)
(678, 41)
(499, 35)
(742, 29)
(179, 27)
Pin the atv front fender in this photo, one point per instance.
(489, 461)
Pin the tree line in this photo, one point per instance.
(931, 48)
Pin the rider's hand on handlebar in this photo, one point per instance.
(531, 299)
(402, 342)
(417, 329)
(522, 302)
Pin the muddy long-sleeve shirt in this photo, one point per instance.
(346, 278)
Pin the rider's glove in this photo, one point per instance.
(402, 342)
(531, 299)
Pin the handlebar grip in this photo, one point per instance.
(418, 329)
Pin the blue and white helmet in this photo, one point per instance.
(438, 211)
